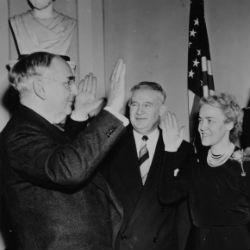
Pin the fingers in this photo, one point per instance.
(93, 85)
(85, 83)
(172, 120)
(118, 74)
(81, 85)
(169, 120)
(117, 69)
(88, 84)
(116, 95)
(169, 123)
(122, 72)
(181, 133)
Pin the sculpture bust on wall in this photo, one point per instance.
(43, 29)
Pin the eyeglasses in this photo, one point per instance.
(70, 82)
(67, 84)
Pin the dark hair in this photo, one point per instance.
(230, 108)
(27, 66)
(150, 85)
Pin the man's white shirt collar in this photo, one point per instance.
(151, 142)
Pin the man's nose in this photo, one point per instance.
(140, 109)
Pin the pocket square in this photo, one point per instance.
(176, 171)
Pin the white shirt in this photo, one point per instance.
(151, 145)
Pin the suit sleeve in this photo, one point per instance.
(43, 161)
(73, 128)
(176, 174)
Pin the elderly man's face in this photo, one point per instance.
(60, 88)
(145, 110)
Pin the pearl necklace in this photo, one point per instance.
(218, 160)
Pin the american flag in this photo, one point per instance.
(200, 78)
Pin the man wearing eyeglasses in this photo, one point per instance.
(54, 195)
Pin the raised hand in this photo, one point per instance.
(116, 94)
(171, 133)
(86, 103)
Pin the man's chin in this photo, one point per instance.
(141, 130)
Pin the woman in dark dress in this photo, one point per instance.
(216, 181)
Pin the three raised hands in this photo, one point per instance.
(171, 132)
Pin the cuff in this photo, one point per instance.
(79, 117)
(119, 116)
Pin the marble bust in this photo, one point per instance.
(42, 28)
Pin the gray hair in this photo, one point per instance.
(27, 67)
(150, 85)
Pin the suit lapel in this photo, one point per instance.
(156, 162)
(150, 185)
(128, 169)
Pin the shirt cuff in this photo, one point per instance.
(119, 116)
(79, 117)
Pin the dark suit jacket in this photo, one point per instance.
(148, 224)
(54, 196)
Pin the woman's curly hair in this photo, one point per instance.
(230, 108)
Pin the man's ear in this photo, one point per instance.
(163, 109)
(38, 87)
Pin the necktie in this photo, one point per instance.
(143, 156)
(143, 153)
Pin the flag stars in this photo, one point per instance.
(196, 63)
(198, 52)
(196, 22)
(193, 32)
(189, 44)
(191, 74)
